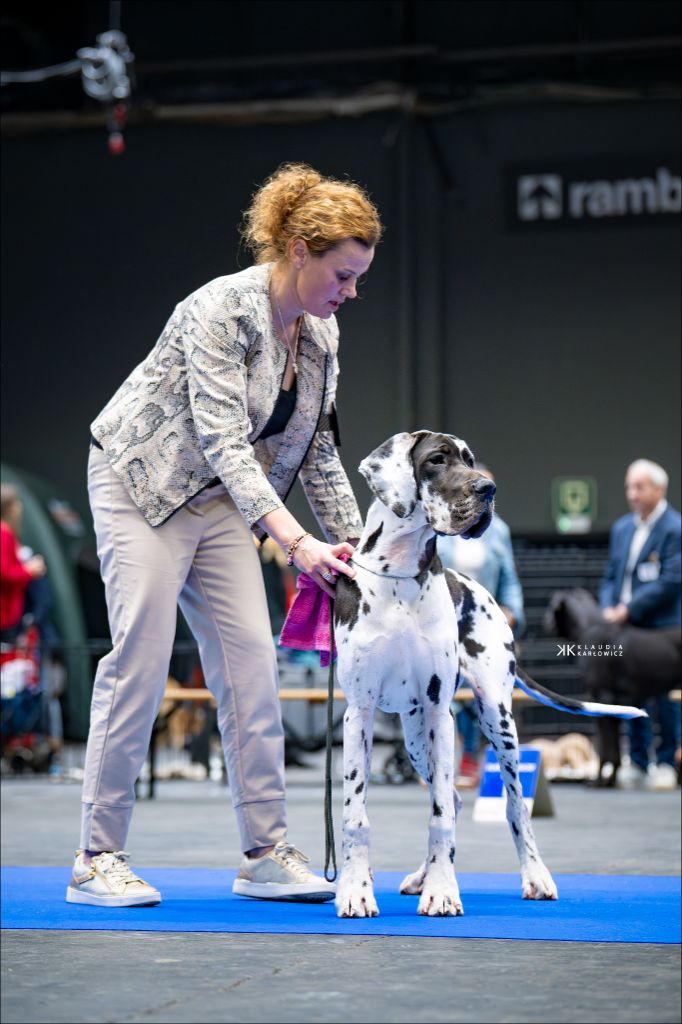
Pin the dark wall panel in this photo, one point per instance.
(553, 354)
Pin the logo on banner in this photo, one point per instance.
(588, 193)
(541, 197)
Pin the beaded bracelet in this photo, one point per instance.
(292, 547)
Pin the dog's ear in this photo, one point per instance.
(389, 472)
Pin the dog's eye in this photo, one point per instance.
(468, 459)
(436, 460)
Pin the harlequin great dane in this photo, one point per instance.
(407, 634)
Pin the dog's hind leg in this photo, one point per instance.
(499, 727)
(415, 744)
(432, 745)
(355, 891)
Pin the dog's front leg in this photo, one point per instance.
(355, 891)
(440, 892)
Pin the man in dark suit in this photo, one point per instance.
(641, 586)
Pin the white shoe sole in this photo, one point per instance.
(296, 893)
(92, 900)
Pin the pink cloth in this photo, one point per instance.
(306, 627)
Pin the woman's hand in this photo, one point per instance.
(312, 556)
(322, 563)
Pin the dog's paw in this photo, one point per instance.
(356, 905)
(440, 901)
(538, 884)
(356, 899)
(413, 884)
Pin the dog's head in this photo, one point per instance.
(436, 470)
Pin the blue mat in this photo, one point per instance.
(591, 908)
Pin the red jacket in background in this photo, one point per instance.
(14, 579)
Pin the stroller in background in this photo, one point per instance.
(29, 735)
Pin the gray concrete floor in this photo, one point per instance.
(204, 978)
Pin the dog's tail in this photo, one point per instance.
(573, 707)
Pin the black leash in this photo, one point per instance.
(329, 847)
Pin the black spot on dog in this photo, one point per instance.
(451, 855)
(359, 789)
(412, 712)
(399, 510)
(512, 667)
(364, 885)
(431, 735)
(353, 775)
(433, 859)
(365, 608)
(508, 745)
(465, 605)
(347, 602)
(429, 562)
(515, 829)
(510, 646)
(371, 540)
(455, 587)
(503, 711)
(433, 690)
(346, 801)
(385, 568)
(437, 810)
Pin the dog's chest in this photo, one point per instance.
(401, 636)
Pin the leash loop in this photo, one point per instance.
(329, 845)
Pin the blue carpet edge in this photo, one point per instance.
(540, 925)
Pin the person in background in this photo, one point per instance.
(15, 574)
(641, 586)
(489, 560)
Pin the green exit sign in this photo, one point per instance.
(574, 503)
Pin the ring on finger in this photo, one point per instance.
(326, 575)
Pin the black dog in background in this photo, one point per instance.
(650, 664)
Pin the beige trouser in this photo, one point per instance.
(204, 559)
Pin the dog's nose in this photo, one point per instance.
(485, 488)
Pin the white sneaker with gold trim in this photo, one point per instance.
(282, 875)
(107, 881)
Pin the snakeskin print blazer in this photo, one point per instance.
(194, 408)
